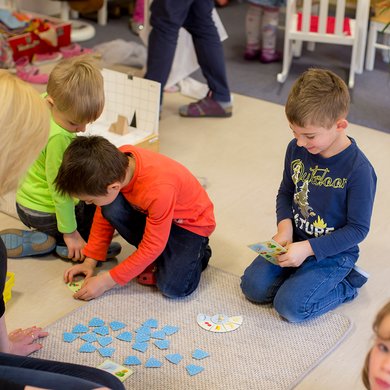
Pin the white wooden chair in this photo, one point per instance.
(378, 27)
(294, 37)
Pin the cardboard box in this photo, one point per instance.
(30, 43)
(135, 99)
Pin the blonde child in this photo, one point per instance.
(261, 27)
(323, 206)
(75, 96)
(376, 370)
(25, 116)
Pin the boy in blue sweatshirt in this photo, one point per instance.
(323, 207)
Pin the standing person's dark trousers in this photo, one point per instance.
(167, 16)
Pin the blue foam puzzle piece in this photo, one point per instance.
(141, 337)
(87, 347)
(151, 323)
(174, 358)
(102, 330)
(70, 337)
(96, 321)
(193, 370)
(90, 337)
(153, 363)
(132, 360)
(144, 330)
(170, 330)
(117, 325)
(125, 336)
(162, 344)
(199, 354)
(106, 352)
(142, 347)
(158, 334)
(104, 341)
(80, 328)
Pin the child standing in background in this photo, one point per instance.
(376, 370)
(137, 20)
(75, 96)
(323, 206)
(261, 26)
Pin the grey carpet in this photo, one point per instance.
(265, 352)
(370, 96)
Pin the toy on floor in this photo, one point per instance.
(116, 369)
(99, 336)
(219, 323)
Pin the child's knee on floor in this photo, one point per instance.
(253, 290)
(177, 289)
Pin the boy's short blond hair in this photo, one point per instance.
(318, 98)
(77, 89)
(24, 128)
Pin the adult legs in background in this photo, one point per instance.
(50, 374)
(208, 47)
(167, 17)
(182, 261)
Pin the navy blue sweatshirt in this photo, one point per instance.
(329, 200)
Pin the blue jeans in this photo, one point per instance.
(47, 223)
(182, 261)
(167, 16)
(304, 292)
(50, 374)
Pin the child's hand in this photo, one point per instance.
(297, 253)
(282, 239)
(95, 286)
(284, 235)
(22, 341)
(75, 244)
(86, 268)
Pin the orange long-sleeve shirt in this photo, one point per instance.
(166, 192)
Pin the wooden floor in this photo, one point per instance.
(242, 159)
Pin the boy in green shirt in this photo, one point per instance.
(75, 96)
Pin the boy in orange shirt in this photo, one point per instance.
(154, 203)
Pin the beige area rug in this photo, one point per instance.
(264, 353)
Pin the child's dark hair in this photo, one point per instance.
(90, 164)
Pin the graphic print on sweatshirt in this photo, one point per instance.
(306, 217)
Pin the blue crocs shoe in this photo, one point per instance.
(113, 250)
(23, 243)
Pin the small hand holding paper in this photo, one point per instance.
(95, 286)
(86, 268)
(297, 253)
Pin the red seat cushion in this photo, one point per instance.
(330, 25)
